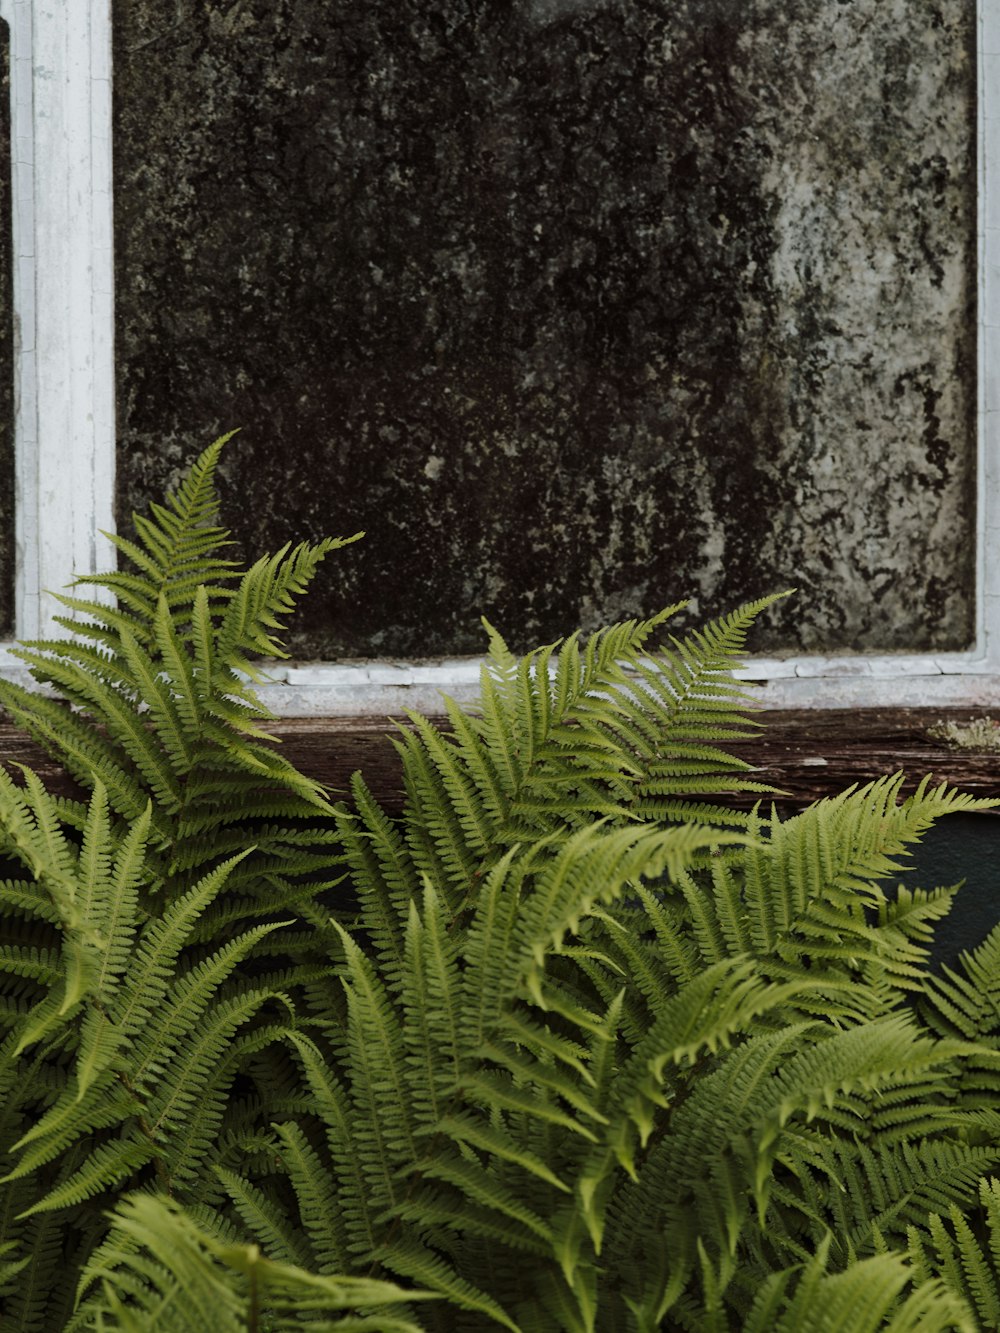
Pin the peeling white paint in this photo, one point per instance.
(63, 280)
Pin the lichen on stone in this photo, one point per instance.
(576, 307)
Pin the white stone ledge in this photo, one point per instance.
(799, 692)
(374, 689)
(902, 667)
(461, 670)
(384, 689)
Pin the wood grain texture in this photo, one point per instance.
(16, 748)
(806, 753)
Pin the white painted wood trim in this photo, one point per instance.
(63, 285)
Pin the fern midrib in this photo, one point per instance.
(509, 830)
(148, 1133)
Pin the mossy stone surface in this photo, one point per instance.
(578, 308)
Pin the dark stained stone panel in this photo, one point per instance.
(7, 543)
(577, 307)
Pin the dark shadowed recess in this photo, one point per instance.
(966, 849)
(578, 307)
(7, 545)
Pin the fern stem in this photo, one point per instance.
(253, 1314)
(146, 1129)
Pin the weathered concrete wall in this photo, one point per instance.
(577, 307)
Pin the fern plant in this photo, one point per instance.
(567, 1096)
(574, 1046)
(879, 1293)
(118, 1049)
(160, 1269)
(154, 699)
(964, 1251)
(129, 1008)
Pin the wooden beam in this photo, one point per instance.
(806, 753)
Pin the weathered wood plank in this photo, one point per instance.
(806, 754)
(16, 748)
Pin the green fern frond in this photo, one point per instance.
(178, 540)
(574, 733)
(412, 1260)
(159, 684)
(333, 1109)
(150, 973)
(27, 1297)
(964, 1251)
(869, 1297)
(267, 592)
(264, 1219)
(161, 1269)
(833, 853)
(321, 1219)
(107, 1165)
(966, 1003)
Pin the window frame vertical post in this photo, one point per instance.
(64, 428)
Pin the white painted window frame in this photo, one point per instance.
(64, 394)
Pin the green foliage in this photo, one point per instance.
(160, 1269)
(965, 1253)
(580, 1049)
(586, 1098)
(155, 699)
(139, 972)
(869, 1295)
